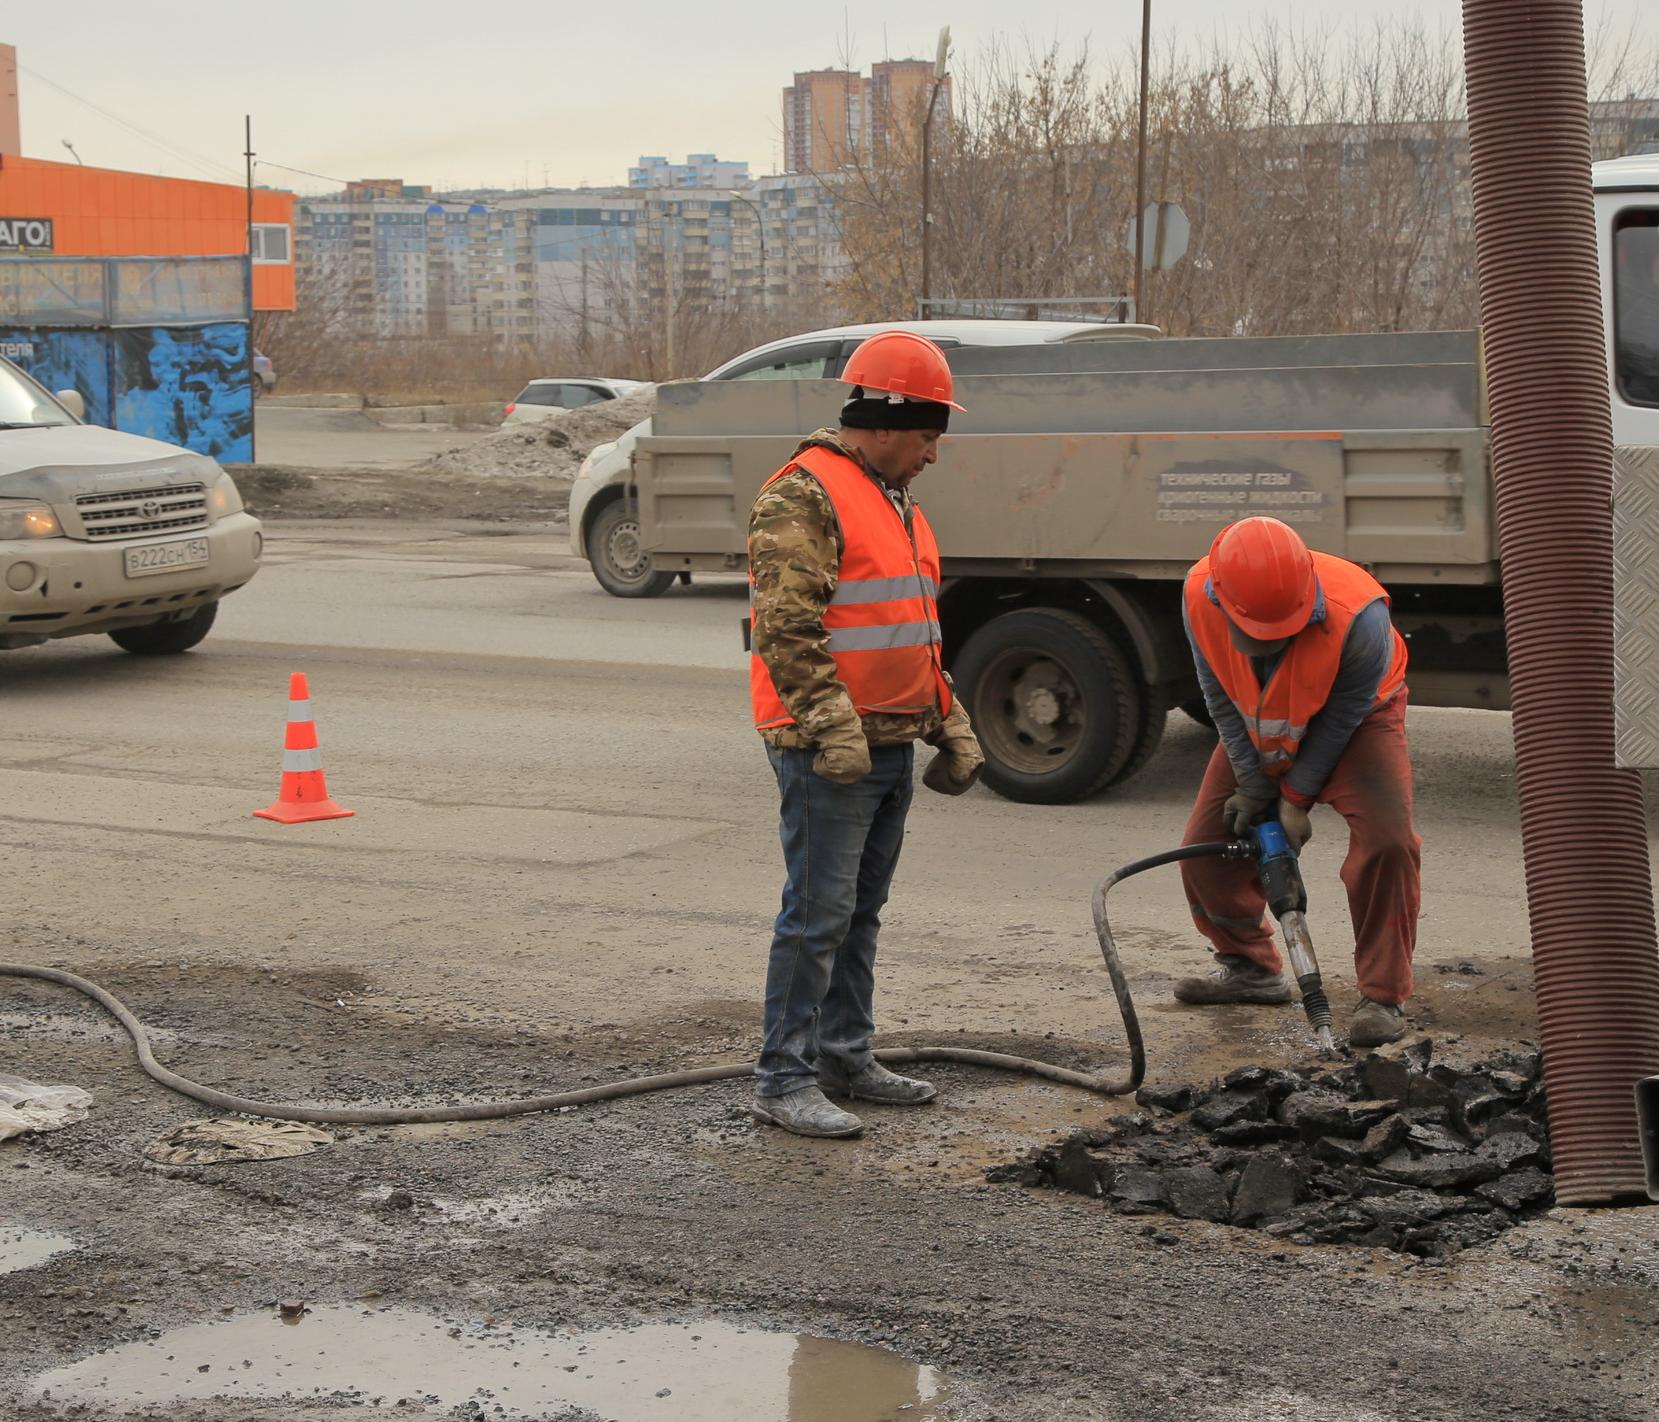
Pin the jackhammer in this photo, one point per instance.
(1287, 899)
(1267, 844)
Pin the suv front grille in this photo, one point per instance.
(137, 512)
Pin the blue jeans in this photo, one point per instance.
(840, 847)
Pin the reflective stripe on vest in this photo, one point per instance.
(1277, 716)
(882, 619)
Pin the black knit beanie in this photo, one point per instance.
(879, 411)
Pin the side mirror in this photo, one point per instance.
(71, 400)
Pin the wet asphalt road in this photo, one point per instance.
(562, 869)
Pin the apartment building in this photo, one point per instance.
(390, 259)
(700, 170)
(833, 118)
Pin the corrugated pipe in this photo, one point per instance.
(1583, 832)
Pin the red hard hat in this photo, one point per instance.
(902, 363)
(1263, 577)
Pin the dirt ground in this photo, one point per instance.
(562, 871)
(287, 491)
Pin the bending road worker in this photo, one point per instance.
(846, 676)
(1304, 675)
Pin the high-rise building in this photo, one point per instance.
(832, 118)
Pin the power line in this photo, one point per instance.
(196, 160)
(304, 172)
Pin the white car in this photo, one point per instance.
(545, 398)
(604, 526)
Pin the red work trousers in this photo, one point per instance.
(1371, 789)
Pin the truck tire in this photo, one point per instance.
(1055, 704)
(1154, 717)
(614, 553)
(165, 639)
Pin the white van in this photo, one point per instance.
(108, 532)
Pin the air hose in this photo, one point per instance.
(698, 1076)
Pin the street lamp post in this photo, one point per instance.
(1140, 159)
(760, 232)
(927, 167)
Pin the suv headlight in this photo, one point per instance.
(598, 452)
(28, 521)
(223, 497)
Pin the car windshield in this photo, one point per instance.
(23, 403)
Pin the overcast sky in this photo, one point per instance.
(504, 92)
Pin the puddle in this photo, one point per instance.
(24, 1248)
(694, 1372)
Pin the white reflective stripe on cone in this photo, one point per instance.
(851, 592)
(299, 710)
(302, 759)
(875, 639)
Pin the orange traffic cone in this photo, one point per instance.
(304, 792)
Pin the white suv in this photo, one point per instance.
(102, 531)
(604, 526)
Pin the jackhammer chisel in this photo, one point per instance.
(1287, 898)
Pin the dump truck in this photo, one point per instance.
(1084, 481)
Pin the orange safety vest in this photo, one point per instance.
(883, 617)
(1277, 715)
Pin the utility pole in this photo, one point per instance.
(247, 286)
(582, 340)
(927, 170)
(1140, 156)
(669, 301)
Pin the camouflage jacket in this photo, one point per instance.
(795, 548)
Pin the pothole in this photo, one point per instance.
(25, 1248)
(1392, 1152)
(348, 1356)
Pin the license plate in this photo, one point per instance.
(164, 557)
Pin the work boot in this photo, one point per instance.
(876, 1083)
(1375, 1023)
(807, 1113)
(1234, 979)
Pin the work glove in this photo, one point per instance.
(955, 770)
(1241, 811)
(1298, 827)
(843, 753)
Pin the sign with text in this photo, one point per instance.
(20, 236)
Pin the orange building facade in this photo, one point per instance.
(66, 210)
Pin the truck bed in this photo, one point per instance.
(1375, 449)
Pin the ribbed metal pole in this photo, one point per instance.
(1584, 835)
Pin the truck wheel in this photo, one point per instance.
(1154, 716)
(1199, 710)
(163, 639)
(622, 568)
(1054, 702)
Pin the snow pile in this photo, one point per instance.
(555, 447)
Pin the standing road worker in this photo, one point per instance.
(1304, 675)
(845, 676)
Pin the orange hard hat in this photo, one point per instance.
(1263, 577)
(902, 363)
